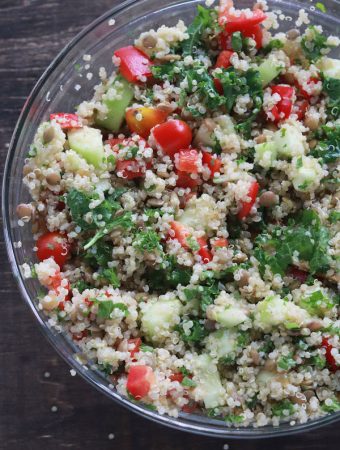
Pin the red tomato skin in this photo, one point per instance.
(139, 381)
(219, 243)
(130, 169)
(172, 136)
(53, 244)
(80, 336)
(114, 141)
(180, 232)
(204, 251)
(177, 377)
(184, 180)
(224, 41)
(246, 207)
(255, 33)
(150, 118)
(300, 275)
(302, 92)
(300, 108)
(134, 64)
(66, 120)
(187, 161)
(223, 59)
(213, 162)
(329, 357)
(285, 105)
(136, 342)
(232, 23)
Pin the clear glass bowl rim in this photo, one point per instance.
(185, 422)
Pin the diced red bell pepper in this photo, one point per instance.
(66, 120)
(139, 381)
(329, 357)
(134, 64)
(298, 274)
(218, 243)
(129, 169)
(134, 346)
(223, 61)
(255, 33)
(213, 162)
(177, 377)
(204, 251)
(246, 206)
(172, 136)
(185, 180)
(187, 161)
(300, 108)
(283, 108)
(302, 92)
(239, 20)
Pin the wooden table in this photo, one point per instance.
(41, 405)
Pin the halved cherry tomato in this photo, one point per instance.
(333, 366)
(283, 107)
(134, 64)
(187, 161)
(55, 245)
(134, 346)
(300, 108)
(177, 377)
(246, 206)
(218, 243)
(130, 169)
(299, 274)
(172, 136)
(239, 21)
(139, 381)
(255, 33)
(141, 120)
(185, 180)
(66, 120)
(204, 251)
(213, 162)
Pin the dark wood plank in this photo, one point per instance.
(31, 34)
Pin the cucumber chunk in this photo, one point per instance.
(265, 154)
(306, 173)
(269, 69)
(227, 316)
(159, 317)
(209, 387)
(116, 99)
(221, 343)
(88, 143)
(289, 141)
(200, 214)
(330, 67)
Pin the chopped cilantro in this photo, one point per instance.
(299, 162)
(147, 240)
(197, 331)
(286, 362)
(283, 408)
(318, 361)
(331, 86)
(321, 7)
(110, 275)
(81, 286)
(106, 368)
(273, 44)
(192, 243)
(334, 216)
(106, 307)
(237, 41)
(316, 303)
(169, 276)
(146, 348)
(234, 418)
(188, 382)
(313, 48)
(331, 406)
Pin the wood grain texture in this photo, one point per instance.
(32, 32)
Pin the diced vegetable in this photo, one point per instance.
(88, 143)
(316, 303)
(135, 66)
(329, 356)
(289, 141)
(55, 245)
(221, 343)
(283, 108)
(223, 59)
(134, 346)
(130, 169)
(142, 119)
(200, 213)
(139, 381)
(218, 243)
(204, 251)
(213, 162)
(158, 318)
(254, 33)
(265, 154)
(186, 180)
(172, 136)
(306, 173)
(66, 121)
(187, 161)
(247, 205)
(227, 316)
(330, 67)
(269, 69)
(239, 21)
(209, 388)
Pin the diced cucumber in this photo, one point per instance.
(274, 311)
(159, 317)
(265, 154)
(88, 143)
(316, 302)
(116, 99)
(306, 173)
(288, 141)
(330, 67)
(227, 316)
(269, 69)
(200, 213)
(209, 388)
(221, 343)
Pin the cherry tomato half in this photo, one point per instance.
(141, 120)
(55, 245)
(172, 136)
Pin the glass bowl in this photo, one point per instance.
(61, 88)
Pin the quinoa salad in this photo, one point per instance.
(186, 219)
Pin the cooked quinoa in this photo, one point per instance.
(186, 219)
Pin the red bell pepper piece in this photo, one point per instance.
(255, 32)
(246, 206)
(187, 161)
(239, 20)
(204, 251)
(134, 64)
(66, 120)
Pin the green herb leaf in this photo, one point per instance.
(110, 275)
(284, 408)
(286, 362)
(313, 48)
(331, 86)
(147, 240)
(233, 418)
(197, 332)
(188, 382)
(106, 307)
